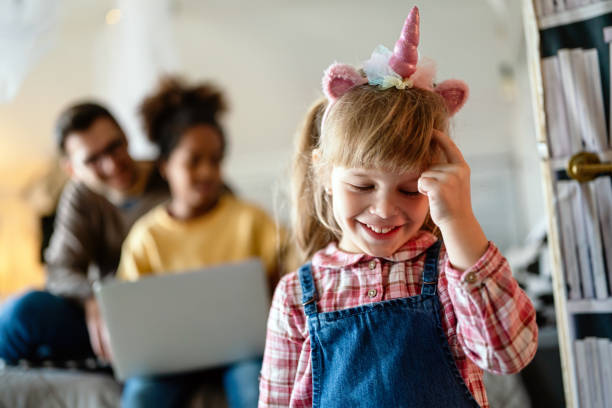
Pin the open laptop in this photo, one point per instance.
(186, 321)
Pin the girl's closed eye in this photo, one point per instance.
(360, 187)
(410, 192)
(192, 162)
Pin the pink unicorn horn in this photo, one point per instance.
(405, 54)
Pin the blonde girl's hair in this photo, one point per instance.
(368, 127)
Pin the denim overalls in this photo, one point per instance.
(392, 353)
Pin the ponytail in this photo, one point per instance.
(307, 193)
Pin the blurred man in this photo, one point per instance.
(106, 193)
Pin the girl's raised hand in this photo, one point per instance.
(447, 185)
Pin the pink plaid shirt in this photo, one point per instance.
(488, 320)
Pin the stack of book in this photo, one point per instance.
(549, 7)
(576, 121)
(594, 366)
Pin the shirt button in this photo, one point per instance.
(372, 292)
(372, 264)
(470, 277)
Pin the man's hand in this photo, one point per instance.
(98, 334)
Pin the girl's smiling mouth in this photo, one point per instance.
(379, 232)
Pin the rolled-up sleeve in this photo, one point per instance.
(496, 323)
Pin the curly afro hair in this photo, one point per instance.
(175, 107)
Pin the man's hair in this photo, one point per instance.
(76, 118)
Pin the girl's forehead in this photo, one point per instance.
(377, 173)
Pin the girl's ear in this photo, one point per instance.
(454, 92)
(338, 79)
(316, 156)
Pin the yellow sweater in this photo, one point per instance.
(232, 231)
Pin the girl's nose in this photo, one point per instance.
(206, 169)
(384, 207)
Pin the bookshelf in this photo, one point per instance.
(569, 43)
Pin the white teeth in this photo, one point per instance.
(379, 230)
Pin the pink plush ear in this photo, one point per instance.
(339, 79)
(454, 92)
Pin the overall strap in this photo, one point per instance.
(309, 294)
(430, 271)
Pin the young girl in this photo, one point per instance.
(202, 224)
(386, 313)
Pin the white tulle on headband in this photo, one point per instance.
(380, 73)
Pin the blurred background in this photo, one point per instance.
(268, 56)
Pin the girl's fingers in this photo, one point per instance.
(426, 184)
(435, 174)
(450, 149)
(446, 168)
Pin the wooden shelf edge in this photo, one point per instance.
(589, 306)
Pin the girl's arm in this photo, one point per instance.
(447, 187)
(496, 324)
(284, 344)
(495, 318)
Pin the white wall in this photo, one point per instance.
(269, 57)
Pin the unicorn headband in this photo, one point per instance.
(400, 69)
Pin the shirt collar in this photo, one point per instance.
(332, 257)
